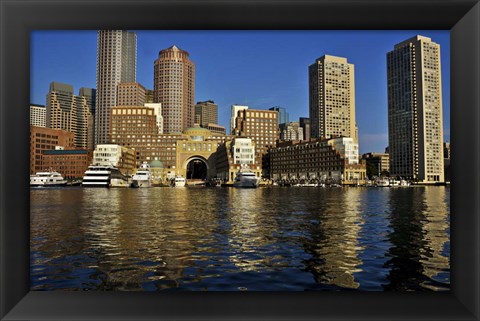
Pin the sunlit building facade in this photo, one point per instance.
(38, 115)
(291, 131)
(206, 112)
(43, 139)
(415, 121)
(259, 125)
(116, 63)
(332, 98)
(174, 88)
(130, 94)
(69, 112)
(319, 160)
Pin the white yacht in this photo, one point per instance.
(104, 176)
(246, 178)
(143, 176)
(383, 182)
(404, 183)
(179, 181)
(43, 179)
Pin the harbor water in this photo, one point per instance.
(228, 239)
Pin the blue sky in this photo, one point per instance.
(260, 69)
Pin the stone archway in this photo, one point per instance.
(196, 168)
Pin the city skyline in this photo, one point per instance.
(263, 69)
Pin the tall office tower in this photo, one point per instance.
(282, 114)
(69, 112)
(174, 88)
(130, 94)
(206, 112)
(305, 124)
(415, 125)
(38, 115)
(116, 63)
(332, 98)
(233, 116)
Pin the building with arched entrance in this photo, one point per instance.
(195, 153)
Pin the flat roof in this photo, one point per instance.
(65, 151)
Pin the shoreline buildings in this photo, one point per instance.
(119, 111)
(262, 127)
(116, 63)
(321, 160)
(43, 139)
(415, 123)
(174, 88)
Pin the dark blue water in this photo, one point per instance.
(226, 239)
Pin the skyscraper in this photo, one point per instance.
(415, 125)
(174, 88)
(332, 98)
(116, 63)
(206, 112)
(71, 113)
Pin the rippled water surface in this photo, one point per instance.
(227, 239)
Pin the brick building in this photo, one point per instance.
(72, 164)
(43, 139)
(315, 160)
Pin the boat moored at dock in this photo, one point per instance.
(104, 176)
(246, 178)
(179, 181)
(143, 176)
(45, 179)
(383, 182)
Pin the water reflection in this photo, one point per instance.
(240, 239)
(419, 222)
(334, 242)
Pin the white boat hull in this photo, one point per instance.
(247, 182)
(47, 179)
(141, 183)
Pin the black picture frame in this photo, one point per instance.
(19, 17)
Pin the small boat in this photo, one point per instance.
(394, 183)
(246, 178)
(44, 179)
(404, 183)
(104, 176)
(179, 181)
(143, 177)
(382, 183)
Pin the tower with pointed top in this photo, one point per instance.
(174, 88)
